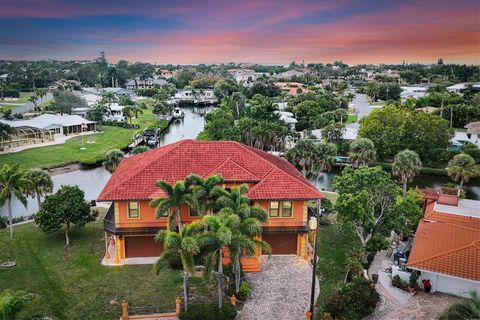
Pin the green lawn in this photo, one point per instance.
(72, 284)
(69, 152)
(148, 119)
(351, 118)
(333, 248)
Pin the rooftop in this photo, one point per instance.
(467, 208)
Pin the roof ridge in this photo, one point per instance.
(447, 252)
(235, 162)
(452, 223)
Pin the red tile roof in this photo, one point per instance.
(273, 177)
(447, 244)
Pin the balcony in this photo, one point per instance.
(111, 226)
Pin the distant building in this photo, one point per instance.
(292, 88)
(243, 75)
(413, 92)
(149, 83)
(164, 73)
(198, 96)
(289, 74)
(461, 87)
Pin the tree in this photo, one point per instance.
(467, 309)
(129, 113)
(140, 149)
(325, 157)
(244, 237)
(33, 99)
(97, 112)
(11, 303)
(333, 133)
(6, 131)
(66, 207)
(367, 201)
(3, 87)
(362, 152)
(13, 183)
(203, 193)
(393, 129)
(406, 166)
(40, 184)
(225, 87)
(184, 243)
(462, 167)
(66, 101)
(303, 155)
(112, 160)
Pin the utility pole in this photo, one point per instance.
(314, 275)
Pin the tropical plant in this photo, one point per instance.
(406, 166)
(40, 184)
(11, 303)
(462, 167)
(362, 152)
(112, 160)
(467, 309)
(66, 207)
(303, 155)
(33, 99)
(13, 183)
(128, 112)
(140, 149)
(244, 239)
(6, 131)
(184, 243)
(203, 193)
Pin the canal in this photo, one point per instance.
(92, 181)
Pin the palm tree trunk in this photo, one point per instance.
(220, 278)
(461, 183)
(185, 289)
(179, 219)
(39, 200)
(10, 218)
(67, 239)
(404, 187)
(237, 273)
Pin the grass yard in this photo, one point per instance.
(69, 152)
(333, 248)
(148, 119)
(352, 118)
(72, 284)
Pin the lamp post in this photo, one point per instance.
(313, 224)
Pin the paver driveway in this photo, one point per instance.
(281, 291)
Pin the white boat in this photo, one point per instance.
(178, 113)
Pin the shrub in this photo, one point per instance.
(140, 149)
(353, 301)
(413, 280)
(244, 291)
(399, 283)
(209, 312)
(3, 222)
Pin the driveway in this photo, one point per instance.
(281, 291)
(362, 105)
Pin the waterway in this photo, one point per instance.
(92, 181)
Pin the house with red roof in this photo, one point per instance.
(446, 248)
(274, 184)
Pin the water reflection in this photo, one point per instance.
(187, 128)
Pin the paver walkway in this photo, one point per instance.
(397, 304)
(281, 291)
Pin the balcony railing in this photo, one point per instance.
(110, 225)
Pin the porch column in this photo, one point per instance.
(117, 250)
(107, 255)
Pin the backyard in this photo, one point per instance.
(72, 284)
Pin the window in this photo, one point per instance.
(193, 212)
(274, 206)
(280, 209)
(134, 210)
(286, 209)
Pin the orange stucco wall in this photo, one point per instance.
(297, 218)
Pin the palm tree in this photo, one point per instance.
(362, 152)
(136, 109)
(462, 167)
(406, 166)
(219, 234)
(128, 112)
(41, 184)
(203, 193)
(185, 244)
(33, 99)
(171, 205)
(12, 184)
(467, 309)
(112, 159)
(244, 237)
(11, 303)
(326, 157)
(303, 155)
(109, 98)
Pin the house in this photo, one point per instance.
(164, 73)
(288, 118)
(148, 83)
(275, 185)
(350, 133)
(243, 75)
(446, 248)
(289, 74)
(203, 96)
(413, 92)
(292, 88)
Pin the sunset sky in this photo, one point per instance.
(262, 31)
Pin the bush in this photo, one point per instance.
(209, 312)
(244, 291)
(399, 283)
(3, 222)
(413, 280)
(353, 301)
(11, 93)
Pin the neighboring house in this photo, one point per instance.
(413, 92)
(350, 134)
(149, 83)
(204, 96)
(391, 74)
(288, 118)
(164, 73)
(289, 74)
(446, 248)
(275, 185)
(243, 75)
(292, 88)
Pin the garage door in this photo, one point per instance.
(282, 243)
(142, 246)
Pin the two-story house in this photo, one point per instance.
(274, 184)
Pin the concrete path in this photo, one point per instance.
(281, 291)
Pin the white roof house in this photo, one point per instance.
(413, 91)
(351, 132)
(50, 122)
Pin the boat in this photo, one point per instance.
(178, 113)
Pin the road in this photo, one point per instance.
(30, 106)
(362, 105)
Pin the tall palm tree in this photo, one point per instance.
(406, 166)
(244, 237)
(41, 184)
(11, 303)
(219, 234)
(326, 157)
(184, 243)
(12, 184)
(303, 155)
(171, 205)
(203, 193)
(467, 309)
(362, 152)
(33, 99)
(112, 159)
(462, 167)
